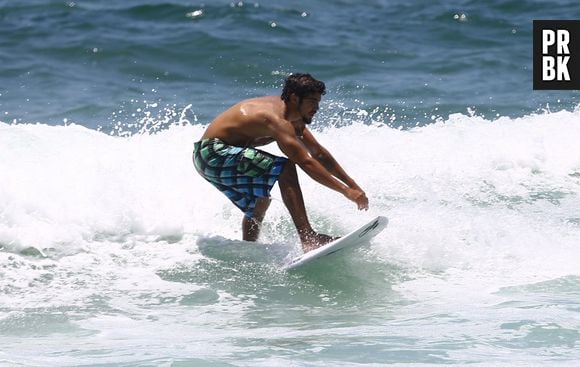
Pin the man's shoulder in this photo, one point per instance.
(271, 103)
(268, 108)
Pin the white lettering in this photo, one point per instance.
(563, 73)
(563, 41)
(548, 39)
(548, 68)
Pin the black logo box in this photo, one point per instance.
(573, 27)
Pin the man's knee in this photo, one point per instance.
(289, 172)
(262, 204)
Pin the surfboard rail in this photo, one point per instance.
(353, 239)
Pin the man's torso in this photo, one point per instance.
(244, 125)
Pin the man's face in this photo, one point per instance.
(309, 106)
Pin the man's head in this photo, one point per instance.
(305, 91)
(301, 85)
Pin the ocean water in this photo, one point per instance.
(114, 252)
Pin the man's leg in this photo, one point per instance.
(251, 226)
(294, 201)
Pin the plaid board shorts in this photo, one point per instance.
(242, 174)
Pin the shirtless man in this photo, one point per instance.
(226, 157)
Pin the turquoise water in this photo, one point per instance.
(103, 64)
(114, 252)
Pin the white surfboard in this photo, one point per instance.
(354, 238)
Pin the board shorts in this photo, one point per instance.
(243, 174)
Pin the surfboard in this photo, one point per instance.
(353, 239)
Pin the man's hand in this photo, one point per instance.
(359, 197)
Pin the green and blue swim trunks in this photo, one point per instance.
(243, 174)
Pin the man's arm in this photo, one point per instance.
(290, 145)
(288, 142)
(322, 155)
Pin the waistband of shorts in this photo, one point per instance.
(207, 141)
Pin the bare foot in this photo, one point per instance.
(315, 240)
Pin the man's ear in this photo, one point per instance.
(294, 99)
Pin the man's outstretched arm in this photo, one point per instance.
(289, 144)
(326, 159)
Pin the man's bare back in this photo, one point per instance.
(246, 123)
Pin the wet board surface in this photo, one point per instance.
(353, 239)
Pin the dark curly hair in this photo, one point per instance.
(302, 85)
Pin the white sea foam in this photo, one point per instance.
(483, 215)
(458, 184)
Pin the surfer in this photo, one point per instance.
(227, 157)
